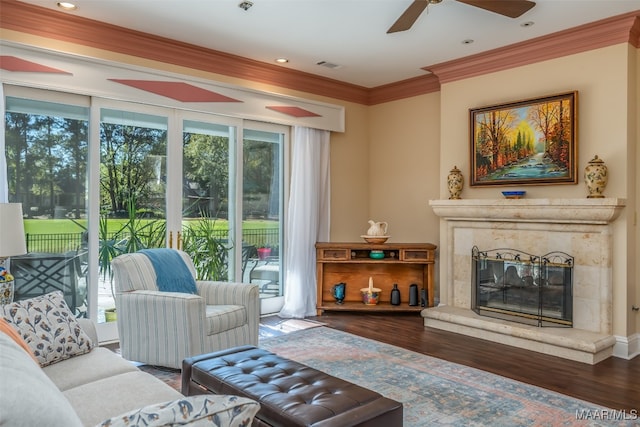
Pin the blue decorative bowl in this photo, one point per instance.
(514, 194)
(376, 254)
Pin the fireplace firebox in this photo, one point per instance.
(517, 286)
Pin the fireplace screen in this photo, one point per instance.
(513, 285)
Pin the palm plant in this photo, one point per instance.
(207, 250)
(133, 235)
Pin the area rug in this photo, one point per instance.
(435, 392)
(272, 326)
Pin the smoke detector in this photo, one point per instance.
(245, 5)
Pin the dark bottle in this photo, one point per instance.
(395, 295)
(413, 294)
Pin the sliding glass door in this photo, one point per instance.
(233, 199)
(46, 151)
(98, 178)
(208, 198)
(263, 204)
(133, 173)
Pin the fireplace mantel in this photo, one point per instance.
(582, 211)
(582, 228)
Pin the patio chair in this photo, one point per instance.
(163, 328)
(268, 273)
(39, 273)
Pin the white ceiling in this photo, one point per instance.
(348, 33)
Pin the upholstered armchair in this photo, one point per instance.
(163, 328)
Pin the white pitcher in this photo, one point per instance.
(377, 228)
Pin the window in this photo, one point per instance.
(151, 181)
(46, 149)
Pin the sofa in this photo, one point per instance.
(54, 374)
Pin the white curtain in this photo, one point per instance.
(307, 220)
(4, 182)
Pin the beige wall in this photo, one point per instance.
(606, 127)
(350, 176)
(390, 174)
(404, 167)
(634, 253)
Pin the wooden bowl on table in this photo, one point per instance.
(375, 240)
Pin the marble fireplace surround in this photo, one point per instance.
(579, 227)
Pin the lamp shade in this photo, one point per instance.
(12, 240)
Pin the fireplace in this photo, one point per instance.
(584, 228)
(521, 287)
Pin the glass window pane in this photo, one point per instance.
(133, 160)
(205, 209)
(46, 151)
(262, 213)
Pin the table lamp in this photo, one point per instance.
(12, 243)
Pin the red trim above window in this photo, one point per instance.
(12, 63)
(179, 91)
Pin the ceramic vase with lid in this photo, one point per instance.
(455, 182)
(595, 178)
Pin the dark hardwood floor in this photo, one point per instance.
(614, 383)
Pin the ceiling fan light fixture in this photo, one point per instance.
(434, 1)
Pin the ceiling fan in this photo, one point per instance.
(510, 8)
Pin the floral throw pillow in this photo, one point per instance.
(49, 328)
(207, 410)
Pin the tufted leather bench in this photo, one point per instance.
(290, 393)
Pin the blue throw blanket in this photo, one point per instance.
(172, 273)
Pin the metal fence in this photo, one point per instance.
(53, 243)
(63, 242)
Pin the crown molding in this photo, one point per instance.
(404, 89)
(619, 29)
(52, 24)
(55, 25)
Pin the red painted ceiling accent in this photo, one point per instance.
(179, 91)
(12, 63)
(293, 111)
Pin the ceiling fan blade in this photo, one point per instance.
(409, 17)
(510, 8)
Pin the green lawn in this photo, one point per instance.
(59, 226)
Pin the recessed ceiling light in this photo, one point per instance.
(527, 24)
(66, 5)
(467, 41)
(282, 60)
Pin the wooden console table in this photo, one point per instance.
(403, 264)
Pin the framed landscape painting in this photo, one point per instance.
(532, 142)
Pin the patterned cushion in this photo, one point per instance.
(204, 410)
(48, 327)
(12, 333)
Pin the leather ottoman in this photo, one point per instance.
(290, 393)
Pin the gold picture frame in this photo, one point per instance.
(530, 142)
